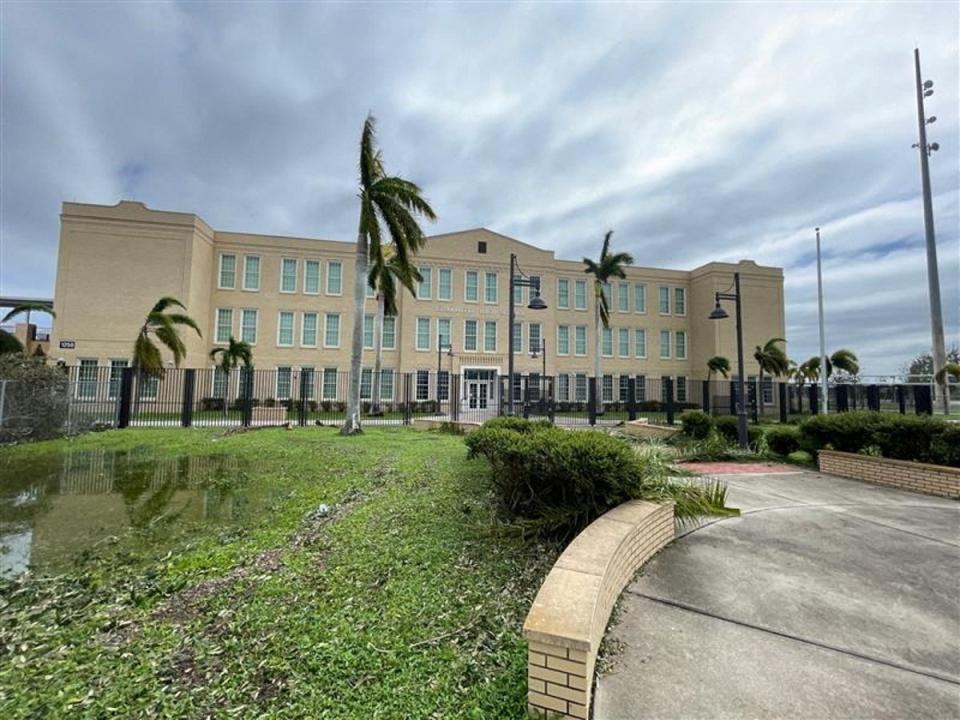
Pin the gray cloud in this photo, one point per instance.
(698, 132)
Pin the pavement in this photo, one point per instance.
(827, 598)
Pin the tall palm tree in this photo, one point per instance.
(718, 364)
(236, 352)
(161, 325)
(610, 265)
(396, 203)
(771, 359)
(384, 278)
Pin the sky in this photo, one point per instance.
(698, 132)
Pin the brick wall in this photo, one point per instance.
(570, 613)
(918, 477)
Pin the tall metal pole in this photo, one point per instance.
(512, 313)
(824, 408)
(933, 274)
(741, 396)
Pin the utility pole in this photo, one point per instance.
(824, 395)
(925, 89)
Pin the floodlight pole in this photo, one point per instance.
(824, 394)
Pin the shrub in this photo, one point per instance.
(35, 403)
(783, 440)
(800, 457)
(727, 426)
(696, 424)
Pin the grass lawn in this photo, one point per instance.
(395, 604)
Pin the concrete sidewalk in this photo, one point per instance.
(827, 598)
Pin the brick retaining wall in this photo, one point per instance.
(918, 477)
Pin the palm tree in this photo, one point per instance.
(161, 325)
(607, 267)
(718, 364)
(952, 369)
(8, 341)
(396, 203)
(772, 359)
(236, 352)
(384, 278)
(844, 360)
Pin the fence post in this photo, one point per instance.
(901, 400)
(552, 400)
(126, 395)
(873, 398)
(246, 404)
(189, 388)
(302, 404)
(923, 399)
(668, 388)
(592, 399)
(843, 401)
(782, 391)
(631, 398)
(705, 396)
(454, 395)
(814, 391)
(407, 410)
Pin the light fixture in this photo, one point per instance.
(718, 313)
(932, 119)
(927, 93)
(536, 302)
(928, 84)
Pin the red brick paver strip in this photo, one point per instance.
(734, 468)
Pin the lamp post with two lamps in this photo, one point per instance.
(719, 313)
(519, 279)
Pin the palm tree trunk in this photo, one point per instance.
(378, 354)
(597, 368)
(351, 425)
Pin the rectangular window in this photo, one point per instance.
(490, 281)
(219, 383)
(533, 330)
(623, 345)
(640, 343)
(640, 298)
(251, 272)
(288, 275)
(535, 288)
(563, 339)
(334, 277)
(470, 335)
(311, 277)
(224, 327)
(605, 289)
(331, 331)
(580, 340)
(518, 295)
(680, 345)
(443, 385)
(767, 389)
(423, 384)
(307, 379)
(149, 387)
(285, 329)
(444, 337)
(518, 337)
(248, 326)
(681, 388)
(606, 346)
(664, 300)
(664, 388)
(563, 388)
(425, 287)
(116, 374)
(563, 294)
(470, 286)
(664, 344)
(680, 301)
(228, 272)
(386, 384)
(329, 383)
(389, 332)
(581, 388)
(608, 388)
(308, 329)
(423, 333)
(370, 292)
(366, 384)
(623, 297)
(490, 336)
(624, 388)
(368, 332)
(283, 383)
(445, 284)
(641, 388)
(580, 295)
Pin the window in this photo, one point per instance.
(224, 327)
(389, 334)
(470, 286)
(371, 293)
(518, 295)
(563, 339)
(331, 334)
(288, 275)
(366, 384)
(605, 289)
(334, 277)
(681, 388)
(149, 387)
(490, 287)
(307, 379)
(423, 333)
(664, 344)
(535, 288)
(311, 277)
(228, 272)
(470, 335)
(308, 329)
(640, 343)
(641, 388)
(766, 387)
(581, 388)
(423, 384)
(248, 326)
(425, 286)
(116, 374)
(623, 297)
(251, 272)
(517, 387)
(329, 383)
(533, 331)
(680, 301)
(563, 294)
(665, 388)
(285, 329)
(623, 346)
(283, 383)
(606, 346)
(490, 336)
(518, 337)
(580, 340)
(680, 345)
(563, 388)
(624, 388)
(640, 298)
(368, 332)
(534, 383)
(580, 295)
(443, 332)
(664, 300)
(443, 385)
(386, 384)
(608, 388)
(445, 284)
(482, 247)
(219, 383)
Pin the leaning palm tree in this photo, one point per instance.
(161, 325)
(396, 203)
(607, 267)
(384, 278)
(771, 359)
(844, 360)
(718, 364)
(236, 352)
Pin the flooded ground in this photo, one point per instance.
(60, 510)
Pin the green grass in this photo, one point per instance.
(402, 605)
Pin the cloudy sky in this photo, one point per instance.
(696, 131)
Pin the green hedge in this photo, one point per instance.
(783, 439)
(696, 424)
(727, 426)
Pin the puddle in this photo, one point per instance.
(56, 511)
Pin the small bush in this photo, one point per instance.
(727, 426)
(800, 457)
(36, 399)
(783, 440)
(696, 424)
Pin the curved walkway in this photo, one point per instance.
(827, 598)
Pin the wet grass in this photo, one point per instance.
(391, 602)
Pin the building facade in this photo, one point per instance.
(291, 299)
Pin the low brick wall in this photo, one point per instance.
(918, 477)
(570, 613)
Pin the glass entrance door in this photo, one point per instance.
(479, 388)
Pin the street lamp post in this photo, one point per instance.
(720, 314)
(518, 279)
(441, 346)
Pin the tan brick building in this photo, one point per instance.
(290, 298)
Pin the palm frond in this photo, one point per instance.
(167, 335)
(181, 319)
(27, 307)
(167, 302)
(146, 356)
